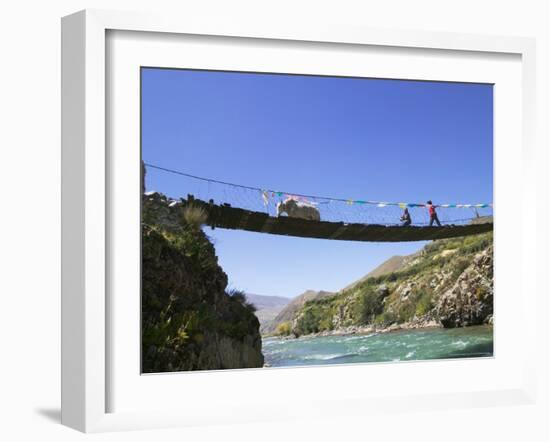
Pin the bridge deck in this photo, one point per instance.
(227, 217)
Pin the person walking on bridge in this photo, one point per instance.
(405, 218)
(433, 213)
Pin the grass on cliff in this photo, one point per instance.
(240, 297)
(194, 217)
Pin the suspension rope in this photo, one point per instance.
(315, 197)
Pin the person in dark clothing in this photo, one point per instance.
(433, 214)
(406, 218)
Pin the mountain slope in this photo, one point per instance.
(265, 302)
(392, 264)
(448, 283)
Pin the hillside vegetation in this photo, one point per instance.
(449, 283)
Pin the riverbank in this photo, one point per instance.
(364, 330)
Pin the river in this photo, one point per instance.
(403, 345)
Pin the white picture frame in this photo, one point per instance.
(87, 211)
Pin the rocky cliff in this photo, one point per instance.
(189, 320)
(449, 283)
(470, 299)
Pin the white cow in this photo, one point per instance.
(298, 209)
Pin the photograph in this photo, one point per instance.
(292, 220)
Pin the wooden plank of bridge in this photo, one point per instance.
(268, 224)
(363, 231)
(339, 231)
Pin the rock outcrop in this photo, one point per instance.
(470, 300)
(189, 320)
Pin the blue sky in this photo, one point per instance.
(387, 140)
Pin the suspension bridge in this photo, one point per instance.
(240, 207)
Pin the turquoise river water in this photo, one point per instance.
(405, 345)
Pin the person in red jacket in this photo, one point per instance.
(433, 214)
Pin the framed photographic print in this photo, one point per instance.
(254, 213)
(210, 246)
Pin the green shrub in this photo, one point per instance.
(367, 306)
(385, 319)
(313, 320)
(284, 329)
(425, 303)
(325, 323)
(240, 297)
(459, 265)
(476, 243)
(451, 245)
(406, 311)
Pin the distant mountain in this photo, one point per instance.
(262, 302)
(267, 307)
(289, 311)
